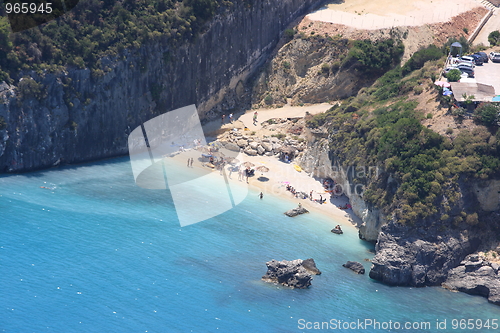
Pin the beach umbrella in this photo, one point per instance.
(248, 164)
(262, 168)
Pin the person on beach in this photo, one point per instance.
(300, 205)
(192, 160)
(255, 118)
(247, 173)
(230, 117)
(223, 117)
(261, 195)
(189, 161)
(311, 195)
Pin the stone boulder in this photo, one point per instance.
(242, 143)
(254, 145)
(293, 274)
(260, 150)
(476, 276)
(266, 146)
(296, 211)
(355, 266)
(231, 146)
(249, 151)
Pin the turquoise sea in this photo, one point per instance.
(95, 253)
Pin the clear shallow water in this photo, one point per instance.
(99, 254)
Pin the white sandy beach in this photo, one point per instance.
(280, 173)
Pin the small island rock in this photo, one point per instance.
(293, 274)
(355, 266)
(296, 211)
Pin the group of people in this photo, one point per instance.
(190, 162)
(285, 157)
(302, 195)
(244, 173)
(230, 118)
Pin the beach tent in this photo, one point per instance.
(457, 47)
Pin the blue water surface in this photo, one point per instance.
(93, 252)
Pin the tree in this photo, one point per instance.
(454, 75)
(494, 38)
(487, 113)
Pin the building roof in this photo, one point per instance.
(482, 92)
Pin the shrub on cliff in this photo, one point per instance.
(419, 58)
(494, 38)
(488, 114)
(454, 75)
(375, 57)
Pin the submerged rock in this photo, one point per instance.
(296, 211)
(294, 274)
(355, 266)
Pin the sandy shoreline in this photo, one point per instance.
(273, 182)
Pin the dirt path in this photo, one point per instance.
(391, 13)
(492, 25)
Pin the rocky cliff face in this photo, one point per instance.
(319, 161)
(77, 117)
(308, 69)
(432, 251)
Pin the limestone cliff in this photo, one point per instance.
(428, 252)
(74, 117)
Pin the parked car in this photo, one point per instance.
(484, 56)
(467, 59)
(478, 60)
(466, 69)
(465, 64)
(495, 57)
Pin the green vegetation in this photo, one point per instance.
(374, 57)
(494, 38)
(426, 166)
(419, 58)
(488, 113)
(268, 99)
(102, 28)
(280, 136)
(453, 75)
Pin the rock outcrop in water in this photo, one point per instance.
(294, 274)
(430, 252)
(355, 266)
(296, 211)
(87, 118)
(476, 276)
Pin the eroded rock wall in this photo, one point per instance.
(83, 118)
